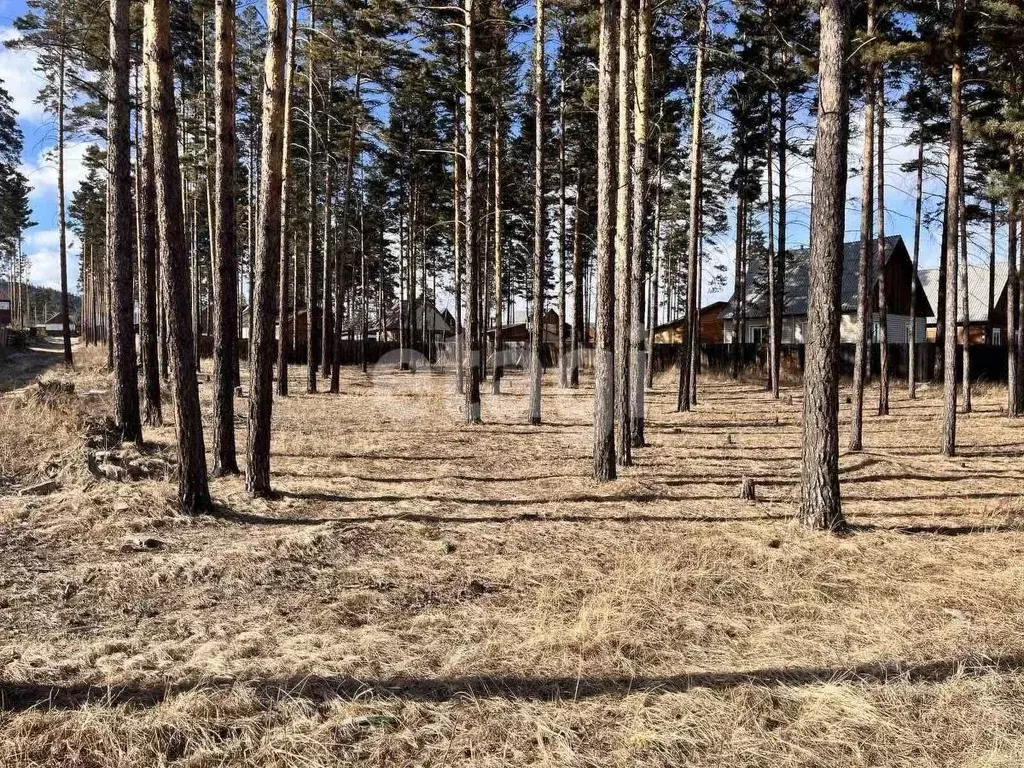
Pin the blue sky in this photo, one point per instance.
(16, 70)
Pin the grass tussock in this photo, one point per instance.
(425, 592)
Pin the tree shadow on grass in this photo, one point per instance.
(20, 697)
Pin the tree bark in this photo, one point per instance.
(65, 306)
(579, 322)
(862, 355)
(683, 399)
(965, 295)
(193, 487)
(539, 235)
(499, 349)
(148, 319)
(1013, 402)
(623, 272)
(639, 256)
(883, 301)
(126, 374)
(918, 200)
(311, 302)
(604, 353)
(268, 251)
(284, 336)
(821, 506)
(226, 306)
(947, 443)
(472, 407)
(563, 362)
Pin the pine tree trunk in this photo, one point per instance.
(939, 371)
(311, 302)
(780, 251)
(821, 506)
(126, 375)
(965, 298)
(268, 251)
(1013, 402)
(284, 334)
(623, 271)
(991, 270)
(862, 354)
(148, 319)
(579, 322)
(327, 315)
(499, 348)
(193, 488)
(458, 229)
(226, 265)
(639, 256)
(738, 266)
(948, 442)
(472, 407)
(539, 235)
(339, 262)
(883, 301)
(563, 362)
(656, 271)
(65, 306)
(604, 352)
(685, 373)
(918, 200)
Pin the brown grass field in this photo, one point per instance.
(426, 593)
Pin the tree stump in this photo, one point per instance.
(748, 489)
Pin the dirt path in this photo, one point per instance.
(20, 367)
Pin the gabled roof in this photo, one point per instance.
(796, 280)
(57, 319)
(436, 320)
(977, 287)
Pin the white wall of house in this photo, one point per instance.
(794, 329)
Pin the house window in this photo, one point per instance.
(759, 334)
(997, 336)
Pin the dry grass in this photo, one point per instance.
(430, 593)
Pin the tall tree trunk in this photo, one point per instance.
(656, 271)
(821, 506)
(193, 487)
(499, 348)
(1013, 402)
(623, 272)
(457, 202)
(862, 354)
(563, 362)
(883, 301)
(918, 200)
(640, 253)
(148, 320)
(948, 441)
(472, 409)
(225, 328)
(604, 352)
(740, 221)
(774, 322)
(327, 315)
(683, 400)
(965, 295)
(991, 270)
(284, 336)
(65, 306)
(539, 235)
(780, 251)
(339, 262)
(939, 371)
(268, 251)
(579, 322)
(126, 373)
(311, 302)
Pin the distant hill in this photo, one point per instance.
(43, 302)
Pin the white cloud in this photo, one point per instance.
(42, 173)
(42, 246)
(20, 77)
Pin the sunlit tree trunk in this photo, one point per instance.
(193, 488)
(539, 235)
(499, 349)
(284, 352)
(226, 264)
(883, 301)
(918, 200)
(268, 252)
(604, 352)
(948, 441)
(472, 407)
(1013, 402)
(623, 271)
(821, 506)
